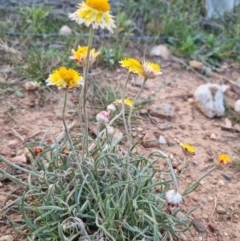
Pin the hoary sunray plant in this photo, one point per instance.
(103, 190)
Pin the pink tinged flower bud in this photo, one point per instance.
(173, 198)
(110, 131)
(111, 108)
(102, 117)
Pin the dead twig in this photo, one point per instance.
(189, 67)
(232, 82)
(17, 134)
(230, 129)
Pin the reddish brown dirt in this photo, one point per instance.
(220, 188)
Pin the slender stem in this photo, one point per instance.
(131, 110)
(98, 132)
(193, 186)
(183, 166)
(85, 77)
(173, 175)
(63, 115)
(80, 103)
(65, 125)
(123, 108)
(171, 170)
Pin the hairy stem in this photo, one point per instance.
(66, 128)
(85, 77)
(194, 185)
(131, 110)
(123, 109)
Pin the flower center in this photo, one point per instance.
(67, 74)
(100, 5)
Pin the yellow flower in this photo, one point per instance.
(95, 13)
(127, 102)
(80, 55)
(147, 69)
(187, 149)
(151, 70)
(64, 78)
(132, 65)
(224, 159)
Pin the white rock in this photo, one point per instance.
(237, 106)
(65, 30)
(161, 51)
(221, 183)
(162, 140)
(6, 238)
(210, 99)
(213, 136)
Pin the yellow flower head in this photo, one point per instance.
(187, 149)
(132, 65)
(151, 70)
(127, 102)
(64, 78)
(95, 13)
(80, 55)
(224, 159)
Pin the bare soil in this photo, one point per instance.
(217, 198)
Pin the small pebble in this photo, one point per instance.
(205, 216)
(143, 111)
(228, 123)
(228, 178)
(213, 136)
(65, 30)
(179, 167)
(204, 200)
(221, 183)
(212, 227)
(162, 140)
(183, 127)
(198, 226)
(13, 143)
(140, 129)
(220, 209)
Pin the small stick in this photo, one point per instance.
(230, 129)
(188, 66)
(17, 134)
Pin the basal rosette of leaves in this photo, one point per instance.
(61, 202)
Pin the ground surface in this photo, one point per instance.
(217, 198)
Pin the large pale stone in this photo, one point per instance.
(210, 99)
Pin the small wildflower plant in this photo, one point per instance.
(98, 189)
